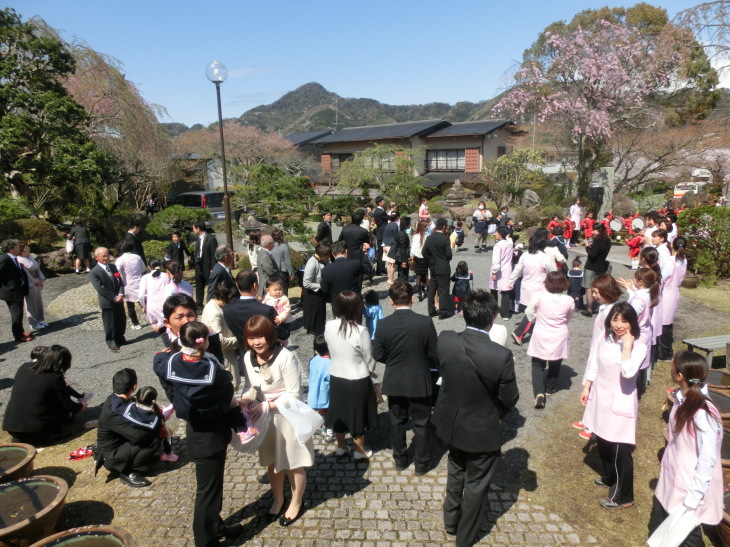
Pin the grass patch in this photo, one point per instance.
(717, 297)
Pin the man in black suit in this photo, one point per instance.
(204, 259)
(108, 284)
(406, 342)
(177, 249)
(324, 230)
(122, 448)
(221, 270)
(340, 275)
(238, 312)
(355, 236)
(478, 387)
(380, 217)
(14, 287)
(132, 235)
(437, 250)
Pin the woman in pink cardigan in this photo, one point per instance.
(609, 395)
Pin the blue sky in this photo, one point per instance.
(395, 52)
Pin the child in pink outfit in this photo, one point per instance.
(276, 298)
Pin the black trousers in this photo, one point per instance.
(132, 313)
(440, 283)
(418, 409)
(16, 317)
(208, 498)
(641, 381)
(541, 382)
(115, 324)
(659, 515)
(664, 343)
(618, 466)
(467, 484)
(132, 457)
(524, 328)
(379, 264)
(201, 281)
(505, 304)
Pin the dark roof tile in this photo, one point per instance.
(381, 132)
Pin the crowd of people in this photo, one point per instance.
(227, 335)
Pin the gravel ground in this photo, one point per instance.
(368, 504)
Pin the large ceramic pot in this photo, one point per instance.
(16, 461)
(690, 280)
(30, 509)
(89, 536)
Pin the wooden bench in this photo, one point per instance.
(708, 344)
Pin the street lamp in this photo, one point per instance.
(566, 189)
(217, 73)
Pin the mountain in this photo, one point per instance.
(311, 107)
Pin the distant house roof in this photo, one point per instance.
(382, 132)
(461, 129)
(300, 139)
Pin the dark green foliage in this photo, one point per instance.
(42, 236)
(340, 206)
(12, 209)
(175, 217)
(154, 248)
(707, 230)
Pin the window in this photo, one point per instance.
(445, 160)
(501, 151)
(337, 159)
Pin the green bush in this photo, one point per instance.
(529, 216)
(106, 231)
(436, 208)
(707, 230)
(42, 236)
(175, 217)
(13, 209)
(11, 230)
(154, 248)
(550, 211)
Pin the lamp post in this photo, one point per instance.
(217, 73)
(566, 190)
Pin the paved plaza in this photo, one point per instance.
(353, 503)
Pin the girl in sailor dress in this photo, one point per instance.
(143, 413)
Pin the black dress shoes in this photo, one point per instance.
(229, 530)
(284, 521)
(134, 479)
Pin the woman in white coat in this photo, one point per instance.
(609, 395)
(501, 270)
(34, 298)
(670, 300)
(131, 268)
(551, 311)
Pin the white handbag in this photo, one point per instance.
(303, 419)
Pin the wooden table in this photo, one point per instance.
(708, 344)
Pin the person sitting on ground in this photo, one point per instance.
(40, 401)
(122, 449)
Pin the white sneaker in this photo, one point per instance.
(136, 327)
(362, 455)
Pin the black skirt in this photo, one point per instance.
(352, 406)
(420, 266)
(314, 312)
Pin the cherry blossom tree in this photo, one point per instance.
(710, 21)
(596, 80)
(245, 147)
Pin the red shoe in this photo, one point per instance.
(579, 425)
(26, 337)
(585, 435)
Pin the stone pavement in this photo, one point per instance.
(350, 502)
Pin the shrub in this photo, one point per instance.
(549, 211)
(40, 235)
(436, 208)
(175, 217)
(707, 228)
(154, 248)
(11, 230)
(529, 216)
(13, 209)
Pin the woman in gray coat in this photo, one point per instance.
(282, 258)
